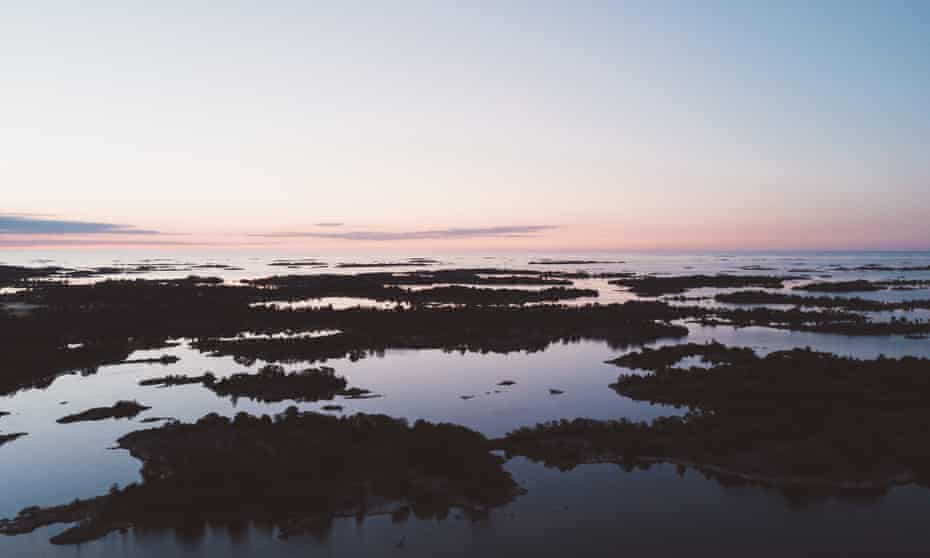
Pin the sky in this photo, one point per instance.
(540, 125)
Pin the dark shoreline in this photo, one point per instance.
(272, 384)
(295, 470)
(790, 419)
(120, 409)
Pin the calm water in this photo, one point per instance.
(593, 510)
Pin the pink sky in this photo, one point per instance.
(624, 125)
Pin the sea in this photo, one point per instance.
(591, 510)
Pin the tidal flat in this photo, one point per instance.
(593, 371)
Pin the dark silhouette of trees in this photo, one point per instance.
(120, 409)
(792, 419)
(294, 470)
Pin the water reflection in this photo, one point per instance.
(631, 512)
(593, 510)
(415, 384)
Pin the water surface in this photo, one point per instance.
(595, 510)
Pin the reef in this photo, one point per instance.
(413, 262)
(120, 409)
(297, 471)
(457, 294)
(657, 286)
(547, 261)
(817, 321)
(789, 419)
(80, 327)
(848, 303)
(296, 264)
(449, 294)
(145, 267)
(881, 267)
(841, 286)
(862, 285)
(906, 284)
(465, 329)
(372, 284)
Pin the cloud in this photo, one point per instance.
(103, 241)
(451, 233)
(328, 224)
(28, 225)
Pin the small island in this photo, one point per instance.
(653, 286)
(296, 470)
(271, 384)
(120, 409)
(795, 419)
(860, 285)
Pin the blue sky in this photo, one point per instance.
(583, 124)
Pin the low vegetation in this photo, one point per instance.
(794, 418)
(296, 470)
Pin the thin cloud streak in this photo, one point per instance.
(40, 242)
(328, 224)
(29, 225)
(437, 234)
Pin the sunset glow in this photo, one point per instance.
(613, 126)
